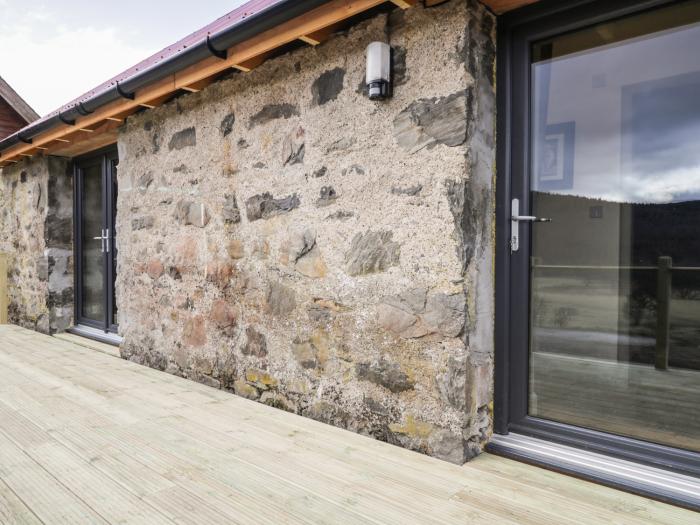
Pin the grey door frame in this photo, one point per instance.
(517, 32)
(106, 159)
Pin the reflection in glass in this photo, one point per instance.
(92, 261)
(615, 277)
(114, 237)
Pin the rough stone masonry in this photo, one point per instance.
(285, 238)
(36, 231)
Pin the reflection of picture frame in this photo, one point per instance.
(659, 123)
(555, 166)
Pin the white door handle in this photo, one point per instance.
(515, 220)
(102, 238)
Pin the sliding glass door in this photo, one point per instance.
(95, 260)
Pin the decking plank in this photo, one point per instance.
(363, 492)
(44, 495)
(13, 510)
(106, 497)
(102, 439)
(196, 460)
(374, 484)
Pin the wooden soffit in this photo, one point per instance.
(503, 6)
(497, 6)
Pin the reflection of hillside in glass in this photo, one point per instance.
(595, 277)
(595, 305)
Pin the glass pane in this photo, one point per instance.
(92, 262)
(615, 277)
(114, 238)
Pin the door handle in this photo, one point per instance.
(515, 220)
(102, 238)
(529, 218)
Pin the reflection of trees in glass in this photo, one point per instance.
(563, 316)
(686, 285)
(641, 306)
(687, 294)
(540, 310)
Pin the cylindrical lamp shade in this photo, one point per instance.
(378, 69)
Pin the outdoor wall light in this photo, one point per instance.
(378, 70)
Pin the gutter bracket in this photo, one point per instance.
(81, 109)
(26, 141)
(223, 55)
(65, 120)
(124, 94)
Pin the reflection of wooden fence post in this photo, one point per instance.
(3, 288)
(663, 312)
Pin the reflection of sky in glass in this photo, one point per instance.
(635, 107)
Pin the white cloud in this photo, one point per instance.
(53, 52)
(672, 185)
(50, 68)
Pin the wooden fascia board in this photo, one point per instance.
(244, 54)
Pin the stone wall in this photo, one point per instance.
(24, 201)
(36, 232)
(58, 238)
(285, 238)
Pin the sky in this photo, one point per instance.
(52, 52)
(637, 127)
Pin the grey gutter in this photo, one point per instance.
(257, 23)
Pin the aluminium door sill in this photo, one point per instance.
(96, 334)
(654, 483)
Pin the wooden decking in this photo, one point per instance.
(88, 438)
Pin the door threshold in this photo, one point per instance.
(96, 334)
(654, 483)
